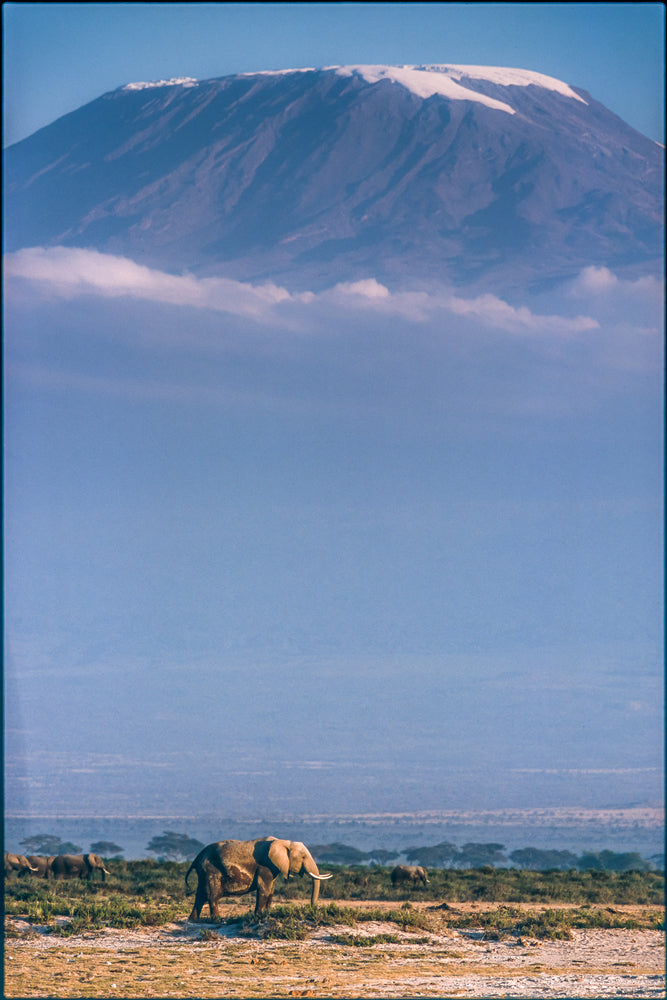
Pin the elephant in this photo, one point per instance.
(236, 867)
(41, 866)
(18, 863)
(408, 873)
(69, 865)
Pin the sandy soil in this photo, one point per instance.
(208, 960)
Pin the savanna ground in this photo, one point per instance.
(483, 933)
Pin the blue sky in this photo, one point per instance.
(355, 550)
(58, 57)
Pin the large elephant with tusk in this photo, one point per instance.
(235, 867)
(78, 865)
(18, 863)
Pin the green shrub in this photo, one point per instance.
(551, 923)
(150, 893)
(285, 930)
(361, 941)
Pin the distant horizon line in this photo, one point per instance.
(649, 811)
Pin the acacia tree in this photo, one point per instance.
(478, 855)
(535, 859)
(172, 846)
(106, 848)
(338, 854)
(382, 856)
(48, 844)
(611, 861)
(440, 855)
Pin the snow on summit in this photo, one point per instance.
(424, 81)
(504, 76)
(176, 81)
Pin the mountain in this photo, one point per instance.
(466, 174)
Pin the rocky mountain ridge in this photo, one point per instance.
(471, 175)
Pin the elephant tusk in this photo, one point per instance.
(321, 878)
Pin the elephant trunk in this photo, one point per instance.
(311, 869)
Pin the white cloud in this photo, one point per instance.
(601, 282)
(369, 288)
(70, 272)
(370, 294)
(594, 281)
(489, 310)
(494, 312)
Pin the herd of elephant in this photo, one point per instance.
(225, 868)
(61, 866)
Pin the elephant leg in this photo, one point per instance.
(213, 893)
(201, 898)
(263, 902)
(265, 885)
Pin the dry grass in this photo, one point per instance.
(438, 959)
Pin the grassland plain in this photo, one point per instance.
(465, 934)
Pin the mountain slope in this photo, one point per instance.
(456, 173)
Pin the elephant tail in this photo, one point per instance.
(187, 876)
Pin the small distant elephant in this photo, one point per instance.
(18, 863)
(79, 865)
(41, 866)
(408, 873)
(235, 867)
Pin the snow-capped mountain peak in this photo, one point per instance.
(176, 81)
(490, 174)
(505, 76)
(425, 81)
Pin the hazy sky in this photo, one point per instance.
(58, 57)
(358, 550)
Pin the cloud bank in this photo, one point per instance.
(70, 272)
(601, 282)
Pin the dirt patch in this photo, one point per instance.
(378, 959)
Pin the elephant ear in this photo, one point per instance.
(278, 856)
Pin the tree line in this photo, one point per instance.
(169, 846)
(481, 855)
(173, 846)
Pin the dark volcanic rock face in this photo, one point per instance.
(317, 176)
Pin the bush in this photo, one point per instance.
(148, 893)
(361, 941)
